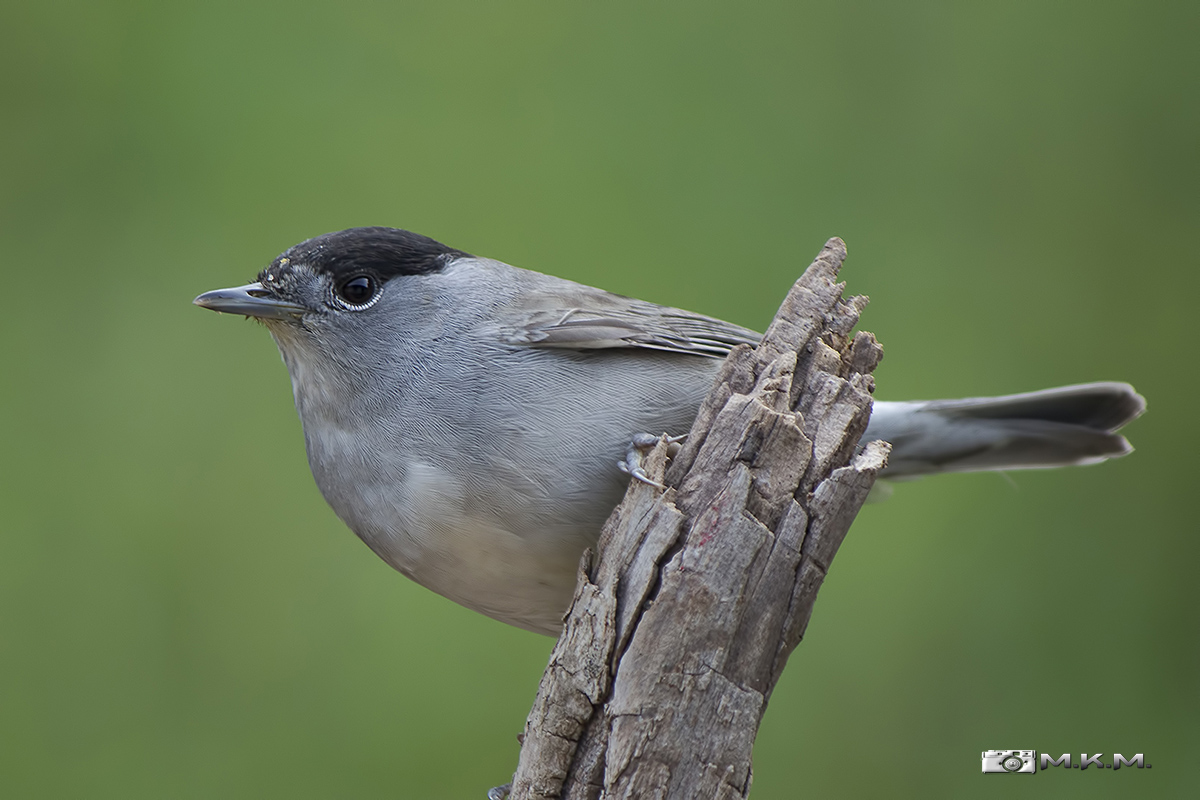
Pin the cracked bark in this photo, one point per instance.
(682, 625)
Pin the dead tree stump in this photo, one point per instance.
(682, 624)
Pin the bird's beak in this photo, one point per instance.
(251, 300)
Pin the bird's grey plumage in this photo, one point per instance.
(467, 420)
(1066, 426)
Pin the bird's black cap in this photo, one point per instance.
(384, 252)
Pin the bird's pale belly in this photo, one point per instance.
(493, 571)
(525, 578)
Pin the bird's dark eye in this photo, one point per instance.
(358, 290)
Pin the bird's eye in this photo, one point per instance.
(357, 291)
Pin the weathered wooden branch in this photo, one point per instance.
(682, 625)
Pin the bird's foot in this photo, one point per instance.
(499, 792)
(639, 446)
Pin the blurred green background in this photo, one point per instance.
(181, 615)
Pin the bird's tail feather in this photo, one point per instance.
(1052, 428)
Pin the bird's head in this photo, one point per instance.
(331, 277)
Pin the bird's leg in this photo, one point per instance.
(499, 792)
(639, 446)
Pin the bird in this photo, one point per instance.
(465, 418)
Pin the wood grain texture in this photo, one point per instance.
(683, 623)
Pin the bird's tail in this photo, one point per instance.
(1051, 428)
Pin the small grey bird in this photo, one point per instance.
(465, 417)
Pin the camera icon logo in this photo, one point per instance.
(1010, 761)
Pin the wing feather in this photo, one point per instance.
(601, 320)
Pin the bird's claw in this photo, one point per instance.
(632, 467)
(639, 445)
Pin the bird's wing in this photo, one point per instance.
(592, 319)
